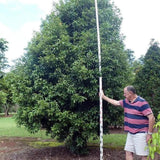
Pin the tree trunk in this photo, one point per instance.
(6, 111)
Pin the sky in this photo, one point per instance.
(19, 18)
(140, 23)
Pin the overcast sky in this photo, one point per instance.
(19, 18)
(140, 23)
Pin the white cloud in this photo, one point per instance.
(4, 31)
(28, 28)
(19, 40)
(2, 1)
(45, 7)
(9, 36)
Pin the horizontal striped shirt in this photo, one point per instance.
(135, 115)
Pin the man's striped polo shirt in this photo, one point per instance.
(135, 115)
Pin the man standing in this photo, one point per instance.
(138, 122)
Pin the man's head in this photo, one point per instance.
(129, 92)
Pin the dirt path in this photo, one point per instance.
(19, 149)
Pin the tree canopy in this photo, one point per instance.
(56, 82)
(148, 77)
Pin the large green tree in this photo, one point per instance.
(148, 77)
(56, 82)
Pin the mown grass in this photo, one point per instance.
(115, 141)
(8, 128)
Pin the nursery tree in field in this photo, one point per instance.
(56, 82)
(148, 78)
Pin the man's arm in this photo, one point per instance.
(151, 124)
(109, 100)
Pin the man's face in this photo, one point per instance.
(127, 94)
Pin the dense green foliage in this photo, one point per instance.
(6, 94)
(56, 82)
(3, 65)
(148, 77)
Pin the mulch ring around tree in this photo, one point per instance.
(19, 149)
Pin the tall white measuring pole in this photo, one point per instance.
(100, 83)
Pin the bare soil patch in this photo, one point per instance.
(19, 149)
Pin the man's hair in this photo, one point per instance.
(131, 88)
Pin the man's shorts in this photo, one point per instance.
(137, 144)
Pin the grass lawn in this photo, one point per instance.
(115, 141)
(8, 128)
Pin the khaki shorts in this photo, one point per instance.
(136, 143)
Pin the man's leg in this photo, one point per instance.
(129, 147)
(141, 145)
(129, 155)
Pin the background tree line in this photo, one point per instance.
(55, 83)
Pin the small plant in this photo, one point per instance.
(154, 144)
